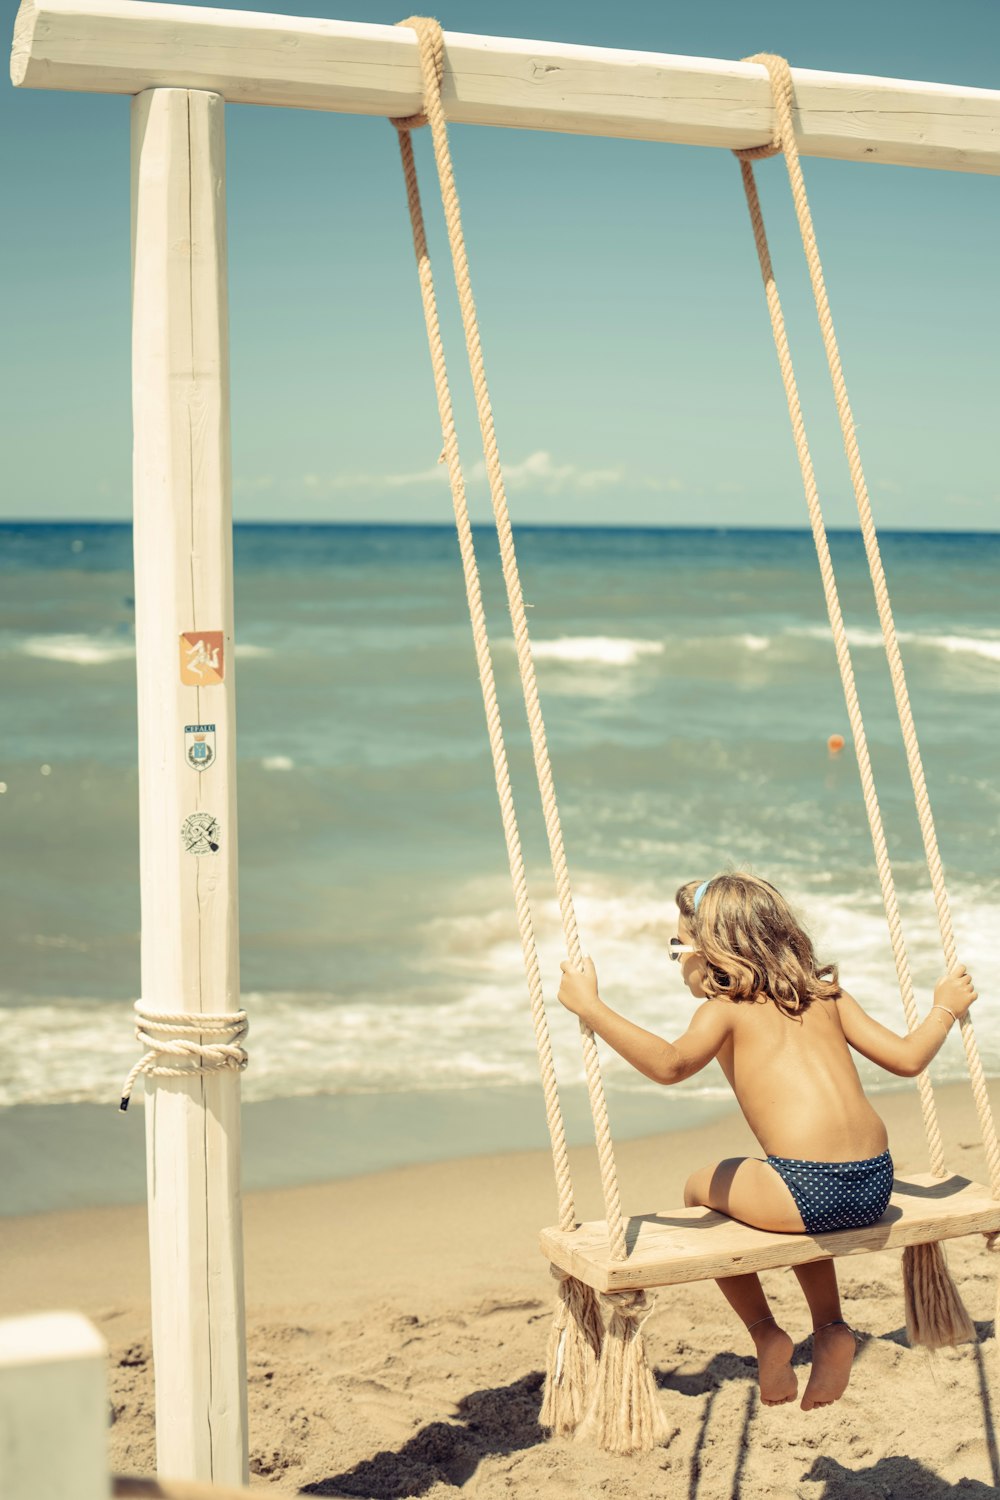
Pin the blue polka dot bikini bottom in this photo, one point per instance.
(837, 1194)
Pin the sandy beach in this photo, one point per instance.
(397, 1326)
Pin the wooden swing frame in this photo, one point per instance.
(181, 64)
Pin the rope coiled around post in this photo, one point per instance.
(163, 1033)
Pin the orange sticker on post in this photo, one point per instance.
(202, 662)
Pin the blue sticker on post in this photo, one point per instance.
(199, 746)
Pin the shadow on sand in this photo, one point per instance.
(503, 1420)
(895, 1476)
(890, 1476)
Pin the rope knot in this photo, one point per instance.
(629, 1304)
(167, 1034)
(783, 94)
(430, 44)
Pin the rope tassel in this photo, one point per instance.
(936, 1316)
(625, 1414)
(574, 1349)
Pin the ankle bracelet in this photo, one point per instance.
(768, 1319)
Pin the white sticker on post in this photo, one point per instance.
(199, 746)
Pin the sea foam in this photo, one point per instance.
(986, 645)
(602, 650)
(475, 1030)
(78, 650)
(100, 650)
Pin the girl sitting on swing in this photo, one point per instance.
(782, 1028)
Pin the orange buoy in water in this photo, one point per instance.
(835, 744)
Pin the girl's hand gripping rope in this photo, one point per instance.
(955, 992)
(578, 991)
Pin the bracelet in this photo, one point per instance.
(946, 1011)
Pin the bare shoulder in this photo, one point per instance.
(846, 1006)
(857, 1025)
(716, 1013)
(716, 1005)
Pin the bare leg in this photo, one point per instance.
(834, 1345)
(745, 1296)
(750, 1190)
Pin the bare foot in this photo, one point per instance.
(833, 1354)
(774, 1365)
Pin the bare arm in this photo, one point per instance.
(660, 1060)
(907, 1055)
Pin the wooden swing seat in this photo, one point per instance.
(696, 1244)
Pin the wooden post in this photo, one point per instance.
(187, 762)
(53, 1408)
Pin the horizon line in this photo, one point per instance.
(638, 526)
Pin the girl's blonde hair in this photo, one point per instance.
(754, 945)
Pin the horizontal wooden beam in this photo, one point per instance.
(352, 67)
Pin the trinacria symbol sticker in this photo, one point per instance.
(199, 745)
(201, 833)
(202, 661)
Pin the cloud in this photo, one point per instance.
(538, 473)
(667, 484)
(964, 502)
(326, 484)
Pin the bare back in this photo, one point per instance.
(796, 1082)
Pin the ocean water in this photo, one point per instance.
(689, 685)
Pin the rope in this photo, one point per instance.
(431, 50)
(883, 865)
(779, 74)
(155, 1028)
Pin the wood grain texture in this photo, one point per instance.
(189, 951)
(126, 46)
(695, 1244)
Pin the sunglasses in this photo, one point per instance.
(676, 948)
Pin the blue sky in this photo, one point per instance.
(626, 338)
